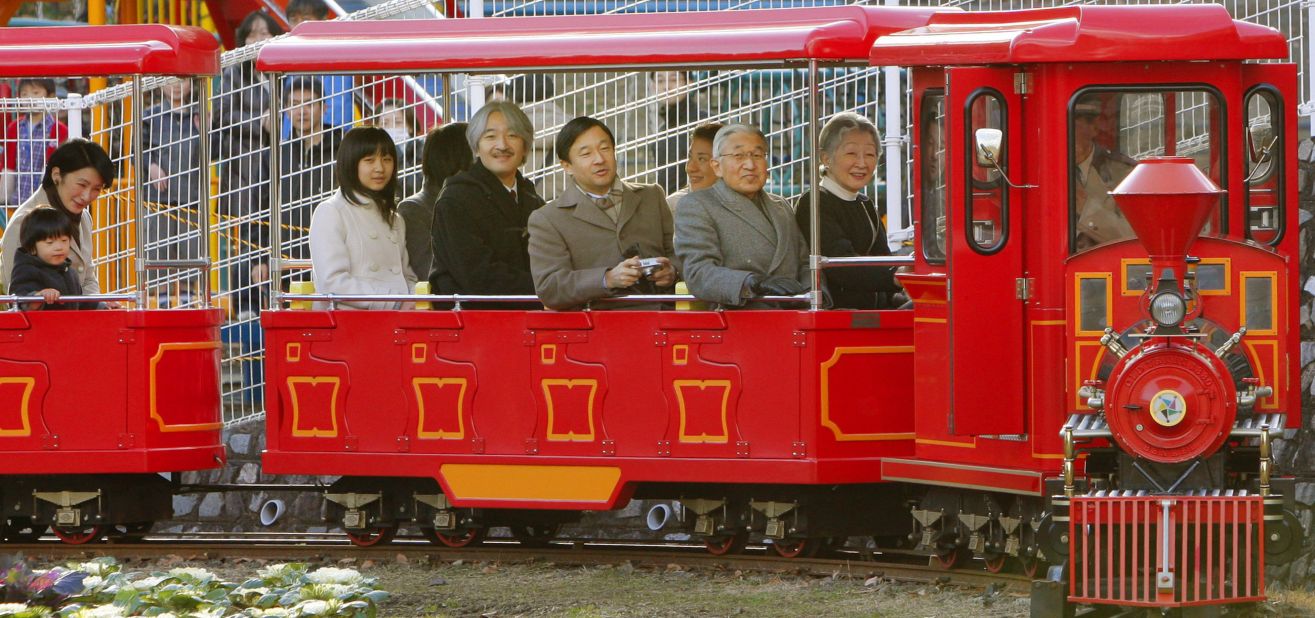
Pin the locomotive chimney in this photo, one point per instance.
(1166, 201)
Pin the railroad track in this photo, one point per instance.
(323, 547)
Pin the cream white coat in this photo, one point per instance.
(353, 251)
(81, 252)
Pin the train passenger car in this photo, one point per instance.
(763, 421)
(97, 405)
(1101, 344)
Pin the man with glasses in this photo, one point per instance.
(734, 240)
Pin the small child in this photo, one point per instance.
(42, 266)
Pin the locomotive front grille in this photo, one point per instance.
(1166, 551)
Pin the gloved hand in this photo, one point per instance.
(774, 286)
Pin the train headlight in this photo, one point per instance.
(1168, 308)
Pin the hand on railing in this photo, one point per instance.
(774, 286)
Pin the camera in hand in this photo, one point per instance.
(650, 266)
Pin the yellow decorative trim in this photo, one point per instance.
(548, 353)
(1077, 368)
(680, 386)
(419, 352)
(931, 442)
(825, 369)
(1268, 403)
(297, 432)
(531, 483)
(680, 355)
(1226, 262)
(930, 320)
(292, 353)
(24, 412)
(546, 384)
(154, 381)
(460, 433)
(1077, 303)
(1274, 301)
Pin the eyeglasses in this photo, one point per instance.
(744, 157)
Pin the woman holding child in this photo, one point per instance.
(357, 238)
(75, 175)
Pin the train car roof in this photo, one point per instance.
(596, 41)
(76, 51)
(1081, 34)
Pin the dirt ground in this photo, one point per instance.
(465, 588)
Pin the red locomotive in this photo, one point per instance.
(1094, 364)
(96, 405)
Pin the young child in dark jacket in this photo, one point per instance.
(41, 265)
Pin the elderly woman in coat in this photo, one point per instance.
(357, 239)
(735, 241)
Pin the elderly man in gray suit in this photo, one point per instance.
(601, 237)
(734, 240)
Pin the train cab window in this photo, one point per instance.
(1110, 130)
(1258, 290)
(1264, 165)
(1094, 303)
(931, 162)
(986, 196)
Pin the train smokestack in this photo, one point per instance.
(1167, 201)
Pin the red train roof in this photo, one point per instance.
(1081, 34)
(595, 41)
(146, 49)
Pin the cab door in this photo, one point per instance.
(987, 290)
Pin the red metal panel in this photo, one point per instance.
(986, 398)
(1214, 546)
(741, 413)
(149, 404)
(145, 49)
(1081, 34)
(689, 38)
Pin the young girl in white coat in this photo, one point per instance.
(357, 239)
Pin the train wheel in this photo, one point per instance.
(798, 547)
(996, 563)
(129, 533)
(374, 536)
(723, 545)
(78, 536)
(951, 558)
(21, 530)
(465, 538)
(535, 535)
(1031, 566)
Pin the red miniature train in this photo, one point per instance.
(95, 406)
(1058, 392)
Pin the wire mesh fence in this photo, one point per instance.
(652, 114)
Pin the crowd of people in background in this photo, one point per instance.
(471, 222)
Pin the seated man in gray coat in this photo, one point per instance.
(734, 240)
(601, 237)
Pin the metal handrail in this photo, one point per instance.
(864, 260)
(457, 299)
(17, 301)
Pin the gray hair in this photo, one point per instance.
(734, 129)
(833, 132)
(516, 119)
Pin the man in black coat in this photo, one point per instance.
(481, 243)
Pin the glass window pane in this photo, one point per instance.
(1210, 277)
(1093, 295)
(1136, 276)
(1264, 164)
(987, 199)
(1112, 130)
(1260, 303)
(931, 127)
